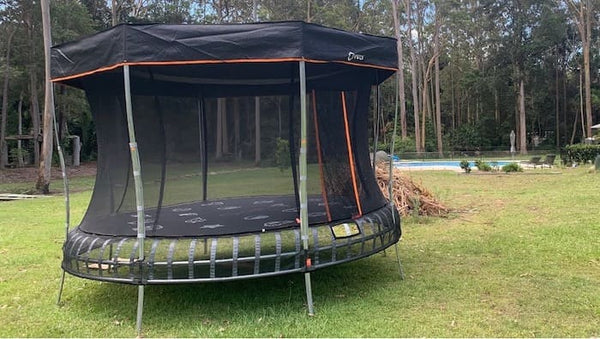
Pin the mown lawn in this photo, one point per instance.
(518, 257)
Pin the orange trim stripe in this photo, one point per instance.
(350, 155)
(319, 156)
(201, 62)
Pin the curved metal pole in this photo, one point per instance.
(303, 192)
(139, 191)
(391, 178)
(63, 169)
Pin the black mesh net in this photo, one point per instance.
(222, 165)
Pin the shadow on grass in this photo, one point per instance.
(228, 301)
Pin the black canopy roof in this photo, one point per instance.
(262, 45)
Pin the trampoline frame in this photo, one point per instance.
(386, 236)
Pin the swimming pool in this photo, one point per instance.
(444, 164)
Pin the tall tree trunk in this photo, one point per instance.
(225, 126)
(425, 98)
(413, 66)
(425, 101)
(20, 131)
(496, 105)
(115, 10)
(35, 115)
(522, 126)
(257, 151)
(34, 108)
(43, 182)
(279, 122)
(556, 103)
(438, 103)
(219, 140)
(4, 117)
(453, 95)
(574, 130)
(582, 15)
(564, 94)
(581, 107)
(588, 81)
(236, 128)
(401, 93)
(257, 157)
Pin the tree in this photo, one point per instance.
(581, 12)
(43, 182)
(413, 67)
(438, 108)
(4, 117)
(401, 93)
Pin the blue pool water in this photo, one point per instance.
(456, 163)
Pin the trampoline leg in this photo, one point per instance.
(309, 297)
(140, 310)
(400, 269)
(60, 289)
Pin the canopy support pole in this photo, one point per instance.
(63, 169)
(203, 145)
(391, 178)
(376, 125)
(303, 192)
(139, 192)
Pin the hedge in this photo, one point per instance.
(581, 153)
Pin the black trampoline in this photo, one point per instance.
(228, 151)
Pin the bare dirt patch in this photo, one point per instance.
(30, 174)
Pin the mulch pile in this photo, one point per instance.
(410, 197)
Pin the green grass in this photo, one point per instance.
(518, 257)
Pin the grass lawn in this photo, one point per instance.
(518, 257)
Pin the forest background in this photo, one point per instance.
(472, 70)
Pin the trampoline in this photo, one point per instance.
(227, 151)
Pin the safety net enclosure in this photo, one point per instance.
(227, 151)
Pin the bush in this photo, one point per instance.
(400, 146)
(281, 158)
(512, 167)
(483, 166)
(581, 153)
(465, 166)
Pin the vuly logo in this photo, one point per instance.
(353, 56)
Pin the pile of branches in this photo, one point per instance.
(411, 198)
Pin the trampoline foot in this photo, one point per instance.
(140, 309)
(400, 269)
(309, 297)
(60, 289)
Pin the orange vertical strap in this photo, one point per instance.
(320, 156)
(351, 155)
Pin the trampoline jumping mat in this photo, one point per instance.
(220, 217)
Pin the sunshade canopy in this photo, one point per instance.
(258, 51)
